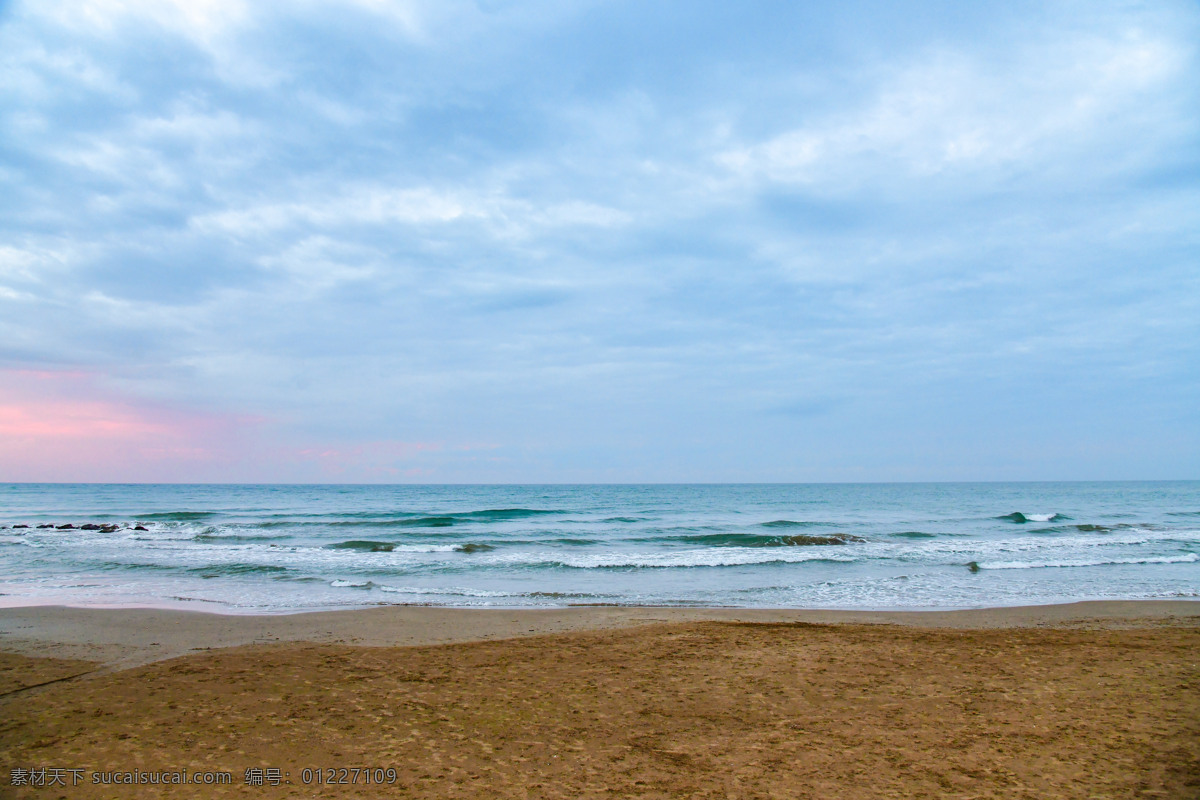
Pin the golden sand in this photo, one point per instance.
(1103, 708)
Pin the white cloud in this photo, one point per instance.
(33, 71)
(206, 22)
(952, 112)
(587, 214)
(133, 165)
(406, 14)
(27, 265)
(372, 205)
(318, 263)
(379, 205)
(189, 125)
(200, 20)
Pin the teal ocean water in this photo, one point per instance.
(266, 549)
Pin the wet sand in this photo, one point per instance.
(1080, 700)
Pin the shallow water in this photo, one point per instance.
(877, 546)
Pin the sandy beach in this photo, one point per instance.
(1079, 700)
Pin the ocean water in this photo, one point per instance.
(270, 549)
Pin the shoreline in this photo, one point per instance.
(119, 638)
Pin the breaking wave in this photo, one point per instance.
(759, 540)
(363, 545)
(1020, 518)
(370, 546)
(1183, 559)
(235, 568)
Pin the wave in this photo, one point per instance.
(326, 520)
(232, 537)
(237, 568)
(914, 535)
(370, 546)
(456, 591)
(446, 590)
(507, 513)
(1021, 518)
(462, 591)
(442, 520)
(176, 516)
(759, 540)
(789, 523)
(363, 545)
(1183, 559)
(1087, 527)
(398, 522)
(404, 519)
(727, 557)
(132, 566)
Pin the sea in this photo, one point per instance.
(279, 549)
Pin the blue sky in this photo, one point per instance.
(363, 240)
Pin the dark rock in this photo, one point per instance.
(91, 526)
(47, 525)
(109, 528)
(67, 527)
(139, 527)
(973, 566)
(19, 526)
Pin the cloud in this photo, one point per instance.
(665, 241)
(202, 19)
(954, 113)
(361, 206)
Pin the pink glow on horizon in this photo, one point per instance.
(71, 426)
(74, 419)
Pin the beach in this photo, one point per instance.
(1075, 700)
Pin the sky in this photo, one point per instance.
(442, 241)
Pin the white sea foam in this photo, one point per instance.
(1183, 559)
(459, 591)
(978, 549)
(709, 557)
